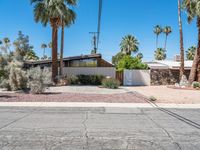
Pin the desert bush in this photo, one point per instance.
(38, 79)
(152, 98)
(15, 78)
(110, 83)
(196, 84)
(4, 83)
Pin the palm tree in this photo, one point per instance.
(67, 20)
(157, 30)
(167, 30)
(43, 46)
(190, 53)
(50, 45)
(139, 55)
(193, 10)
(50, 11)
(129, 44)
(182, 68)
(160, 54)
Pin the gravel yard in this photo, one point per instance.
(164, 94)
(75, 94)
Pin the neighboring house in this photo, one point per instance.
(94, 60)
(167, 72)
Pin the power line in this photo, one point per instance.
(99, 22)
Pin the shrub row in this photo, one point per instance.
(86, 80)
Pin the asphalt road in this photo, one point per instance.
(99, 129)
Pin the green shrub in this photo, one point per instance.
(196, 84)
(73, 80)
(39, 79)
(129, 62)
(3, 73)
(110, 83)
(90, 79)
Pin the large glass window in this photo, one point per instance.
(84, 63)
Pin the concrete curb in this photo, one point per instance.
(93, 105)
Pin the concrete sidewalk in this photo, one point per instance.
(97, 105)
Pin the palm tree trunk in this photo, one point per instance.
(44, 52)
(54, 24)
(182, 67)
(62, 49)
(157, 41)
(193, 72)
(165, 42)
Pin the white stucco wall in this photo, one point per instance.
(105, 71)
(137, 78)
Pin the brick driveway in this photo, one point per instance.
(73, 97)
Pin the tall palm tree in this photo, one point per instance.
(50, 11)
(167, 30)
(190, 53)
(157, 30)
(140, 55)
(160, 54)
(129, 44)
(193, 11)
(182, 67)
(43, 46)
(66, 20)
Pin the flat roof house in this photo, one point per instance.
(167, 72)
(93, 60)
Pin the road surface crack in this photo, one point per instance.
(86, 131)
(165, 131)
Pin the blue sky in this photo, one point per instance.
(118, 19)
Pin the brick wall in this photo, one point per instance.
(165, 76)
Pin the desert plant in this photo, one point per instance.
(4, 83)
(152, 98)
(16, 76)
(110, 83)
(38, 79)
(196, 85)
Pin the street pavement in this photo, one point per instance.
(100, 128)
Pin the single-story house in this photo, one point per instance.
(93, 60)
(167, 71)
(92, 64)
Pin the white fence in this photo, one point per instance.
(105, 71)
(137, 78)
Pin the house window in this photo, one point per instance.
(84, 63)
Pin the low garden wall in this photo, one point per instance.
(137, 78)
(166, 76)
(105, 71)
